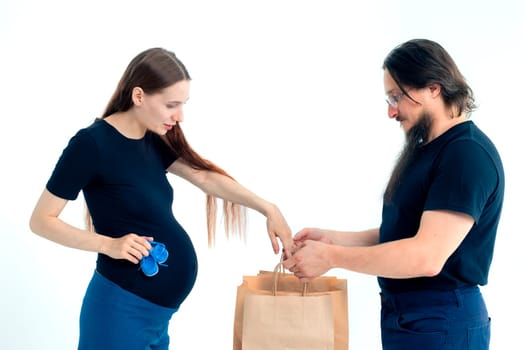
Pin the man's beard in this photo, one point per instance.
(416, 137)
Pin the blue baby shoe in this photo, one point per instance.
(158, 254)
(149, 266)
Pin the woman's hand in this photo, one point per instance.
(131, 247)
(278, 227)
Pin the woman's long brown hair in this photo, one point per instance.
(154, 70)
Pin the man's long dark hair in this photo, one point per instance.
(417, 64)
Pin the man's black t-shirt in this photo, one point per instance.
(459, 171)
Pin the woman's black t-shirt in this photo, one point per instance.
(126, 190)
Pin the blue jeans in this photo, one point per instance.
(113, 318)
(435, 320)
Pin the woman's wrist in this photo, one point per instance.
(269, 209)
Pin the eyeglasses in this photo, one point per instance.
(393, 100)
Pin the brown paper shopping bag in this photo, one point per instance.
(275, 311)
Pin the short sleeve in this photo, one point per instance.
(75, 168)
(464, 180)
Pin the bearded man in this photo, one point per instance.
(441, 210)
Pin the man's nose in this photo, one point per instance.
(393, 112)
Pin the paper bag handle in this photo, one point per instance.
(278, 270)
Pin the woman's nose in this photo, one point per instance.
(178, 116)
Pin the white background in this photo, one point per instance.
(287, 96)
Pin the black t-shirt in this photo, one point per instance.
(126, 191)
(459, 171)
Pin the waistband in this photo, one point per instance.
(103, 289)
(429, 297)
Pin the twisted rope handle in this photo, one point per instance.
(277, 271)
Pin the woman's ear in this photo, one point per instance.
(137, 95)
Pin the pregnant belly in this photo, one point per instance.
(174, 280)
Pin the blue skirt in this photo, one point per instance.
(435, 320)
(113, 318)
